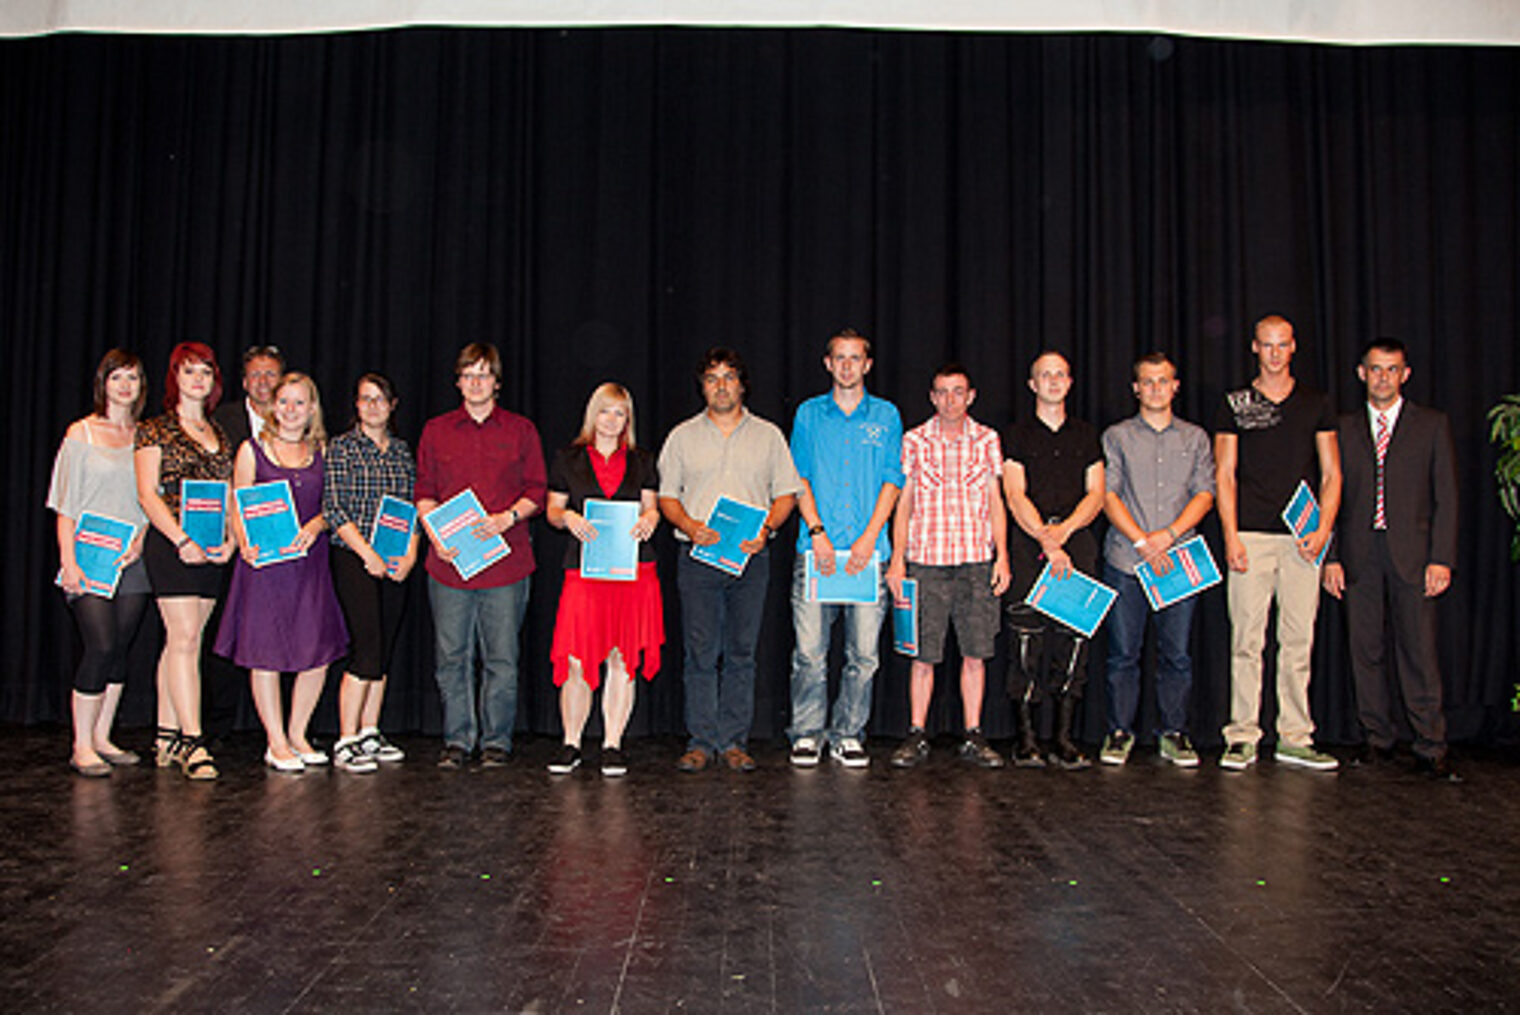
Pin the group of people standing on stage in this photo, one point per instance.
(299, 616)
(1384, 478)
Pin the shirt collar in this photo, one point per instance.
(1392, 412)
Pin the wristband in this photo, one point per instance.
(1173, 533)
(1139, 544)
(181, 544)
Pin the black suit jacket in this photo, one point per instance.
(1419, 491)
(233, 416)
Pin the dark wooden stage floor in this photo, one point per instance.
(939, 890)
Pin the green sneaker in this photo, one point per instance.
(1238, 757)
(1306, 757)
(1178, 749)
(1116, 748)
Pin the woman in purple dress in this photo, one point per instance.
(284, 617)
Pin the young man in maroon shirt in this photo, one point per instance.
(496, 453)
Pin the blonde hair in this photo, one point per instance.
(316, 433)
(611, 391)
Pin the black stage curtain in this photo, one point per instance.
(607, 203)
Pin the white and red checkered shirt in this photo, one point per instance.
(951, 521)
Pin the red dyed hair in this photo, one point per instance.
(192, 352)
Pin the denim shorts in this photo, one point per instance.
(960, 594)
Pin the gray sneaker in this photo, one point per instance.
(806, 752)
(1116, 748)
(1305, 757)
(912, 752)
(1178, 749)
(976, 750)
(1238, 757)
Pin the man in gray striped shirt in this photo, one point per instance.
(1159, 473)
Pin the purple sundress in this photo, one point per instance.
(285, 616)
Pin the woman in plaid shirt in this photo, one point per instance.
(363, 466)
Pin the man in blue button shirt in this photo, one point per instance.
(847, 446)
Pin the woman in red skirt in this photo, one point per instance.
(618, 620)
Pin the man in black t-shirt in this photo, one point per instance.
(1270, 437)
(1053, 483)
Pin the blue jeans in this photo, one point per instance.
(1126, 638)
(812, 623)
(491, 619)
(720, 616)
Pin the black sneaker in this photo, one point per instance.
(911, 752)
(566, 761)
(495, 757)
(453, 758)
(614, 761)
(976, 750)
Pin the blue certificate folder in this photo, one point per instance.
(1193, 570)
(453, 524)
(268, 513)
(391, 535)
(735, 522)
(1302, 516)
(905, 619)
(840, 587)
(99, 542)
(203, 511)
(614, 554)
(1077, 601)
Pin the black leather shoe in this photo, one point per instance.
(1437, 768)
(1368, 756)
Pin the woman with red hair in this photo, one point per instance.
(184, 443)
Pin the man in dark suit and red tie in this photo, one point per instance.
(1395, 546)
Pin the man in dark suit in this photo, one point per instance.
(1393, 554)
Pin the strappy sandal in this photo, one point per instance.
(165, 743)
(194, 760)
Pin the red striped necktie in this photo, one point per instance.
(1379, 518)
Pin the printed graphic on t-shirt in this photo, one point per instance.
(1253, 410)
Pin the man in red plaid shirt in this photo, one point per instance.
(950, 534)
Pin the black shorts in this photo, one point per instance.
(172, 577)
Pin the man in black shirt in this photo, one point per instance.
(1269, 437)
(1053, 482)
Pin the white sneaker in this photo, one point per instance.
(373, 743)
(349, 756)
(805, 752)
(850, 753)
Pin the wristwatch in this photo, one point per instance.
(816, 530)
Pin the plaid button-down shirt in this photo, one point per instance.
(952, 478)
(359, 474)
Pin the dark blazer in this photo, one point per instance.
(1419, 491)
(233, 416)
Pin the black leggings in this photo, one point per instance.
(106, 627)
(372, 607)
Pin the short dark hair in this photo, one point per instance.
(112, 361)
(828, 347)
(264, 352)
(1385, 344)
(477, 352)
(724, 355)
(951, 369)
(1154, 359)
